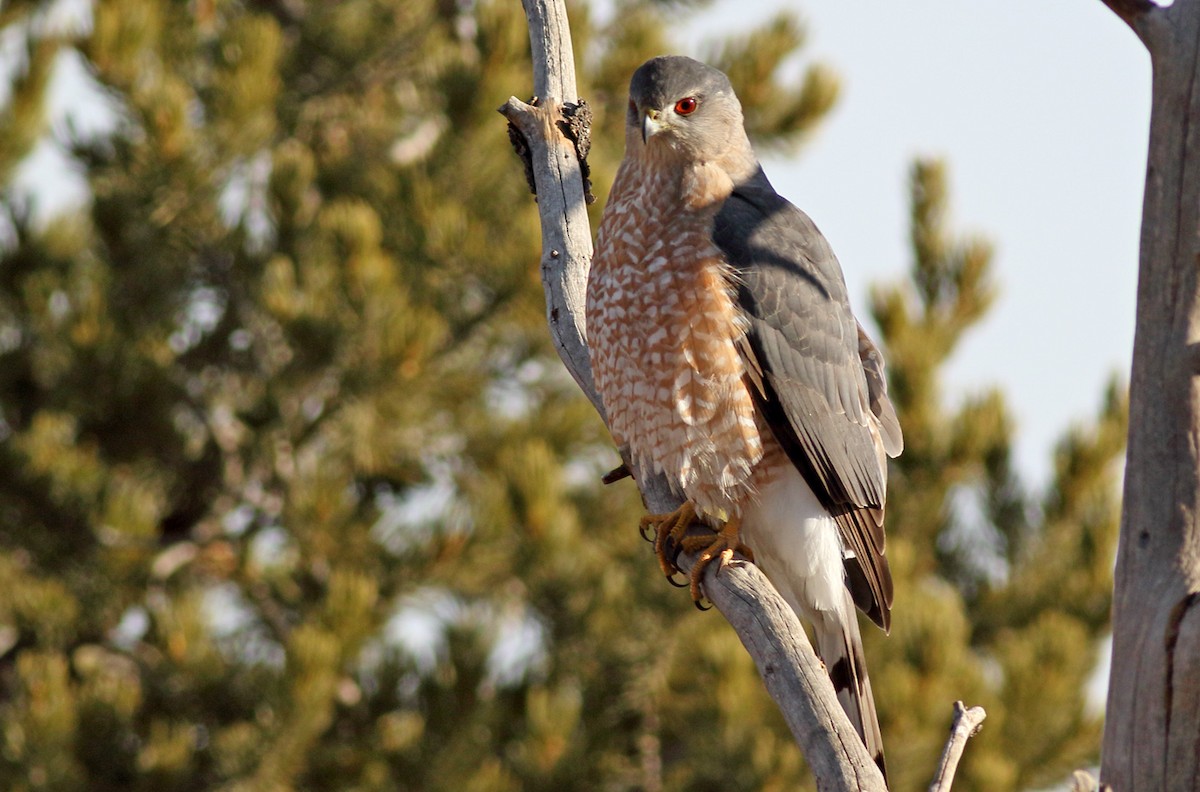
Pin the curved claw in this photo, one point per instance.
(668, 532)
(664, 530)
(719, 550)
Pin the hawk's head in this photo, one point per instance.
(687, 106)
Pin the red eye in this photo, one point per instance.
(686, 106)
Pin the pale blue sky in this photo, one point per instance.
(1041, 109)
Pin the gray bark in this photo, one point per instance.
(967, 723)
(1152, 728)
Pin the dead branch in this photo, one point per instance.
(966, 725)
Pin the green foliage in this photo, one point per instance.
(294, 493)
(23, 122)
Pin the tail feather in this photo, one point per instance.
(839, 644)
(797, 545)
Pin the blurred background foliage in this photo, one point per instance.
(294, 493)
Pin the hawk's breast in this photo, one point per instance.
(663, 331)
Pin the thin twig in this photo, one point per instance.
(966, 725)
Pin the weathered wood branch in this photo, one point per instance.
(566, 235)
(794, 676)
(1083, 781)
(1140, 15)
(1130, 10)
(1153, 712)
(966, 725)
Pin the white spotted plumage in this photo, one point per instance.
(659, 295)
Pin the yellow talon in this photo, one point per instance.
(673, 527)
(720, 548)
(669, 526)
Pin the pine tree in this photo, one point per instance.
(294, 493)
(1004, 596)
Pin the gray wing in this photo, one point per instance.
(819, 386)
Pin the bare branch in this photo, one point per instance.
(1083, 781)
(1129, 9)
(1135, 13)
(966, 725)
(566, 235)
(553, 54)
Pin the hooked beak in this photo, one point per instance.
(653, 123)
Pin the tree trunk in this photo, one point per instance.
(1152, 729)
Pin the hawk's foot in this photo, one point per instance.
(668, 528)
(670, 538)
(719, 548)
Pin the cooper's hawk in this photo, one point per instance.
(727, 357)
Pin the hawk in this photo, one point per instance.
(727, 358)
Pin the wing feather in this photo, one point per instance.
(818, 379)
